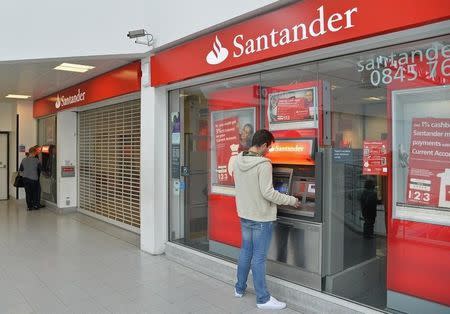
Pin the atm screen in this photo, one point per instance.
(281, 185)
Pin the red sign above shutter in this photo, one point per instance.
(303, 26)
(121, 81)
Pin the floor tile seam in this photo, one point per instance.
(17, 305)
(28, 302)
(223, 306)
(53, 214)
(202, 306)
(103, 231)
(195, 270)
(27, 267)
(49, 290)
(93, 300)
(196, 294)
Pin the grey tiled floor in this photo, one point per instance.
(53, 263)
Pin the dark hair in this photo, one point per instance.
(369, 184)
(249, 126)
(262, 137)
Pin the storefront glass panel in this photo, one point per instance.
(352, 124)
(199, 176)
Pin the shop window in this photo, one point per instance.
(208, 125)
(353, 121)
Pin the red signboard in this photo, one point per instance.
(375, 158)
(291, 109)
(299, 27)
(298, 152)
(429, 162)
(227, 145)
(121, 81)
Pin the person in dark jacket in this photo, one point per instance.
(369, 208)
(30, 167)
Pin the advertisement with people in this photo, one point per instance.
(291, 108)
(231, 133)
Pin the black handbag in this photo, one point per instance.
(18, 181)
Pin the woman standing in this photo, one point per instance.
(30, 167)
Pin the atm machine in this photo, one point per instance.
(295, 251)
(295, 114)
(47, 157)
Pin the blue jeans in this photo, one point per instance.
(256, 238)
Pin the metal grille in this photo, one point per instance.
(109, 158)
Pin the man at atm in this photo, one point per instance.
(256, 201)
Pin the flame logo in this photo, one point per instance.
(218, 54)
(58, 102)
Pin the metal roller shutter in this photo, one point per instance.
(109, 162)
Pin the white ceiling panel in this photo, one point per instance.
(38, 78)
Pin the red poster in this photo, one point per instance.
(429, 163)
(290, 106)
(375, 158)
(291, 109)
(227, 145)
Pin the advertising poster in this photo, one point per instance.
(292, 106)
(227, 144)
(429, 163)
(231, 133)
(375, 158)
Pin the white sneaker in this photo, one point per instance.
(272, 304)
(238, 295)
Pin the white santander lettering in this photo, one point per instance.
(259, 45)
(272, 38)
(238, 45)
(249, 47)
(65, 101)
(336, 17)
(285, 37)
(348, 17)
(295, 29)
(319, 26)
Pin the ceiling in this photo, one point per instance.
(37, 78)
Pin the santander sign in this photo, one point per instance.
(218, 54)
(283, 37)
(62, 101)
(292, 29)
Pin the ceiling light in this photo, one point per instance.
(373, 98)
(18, 96)
(71, 67)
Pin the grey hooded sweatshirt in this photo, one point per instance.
(256, 199)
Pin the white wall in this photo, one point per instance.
(27, 135)
(66, 152)
(48, 28)
(8, 124)
(154, 169)
(7, 111)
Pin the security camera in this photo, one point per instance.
(137, 33)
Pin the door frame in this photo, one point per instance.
(7, 162)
